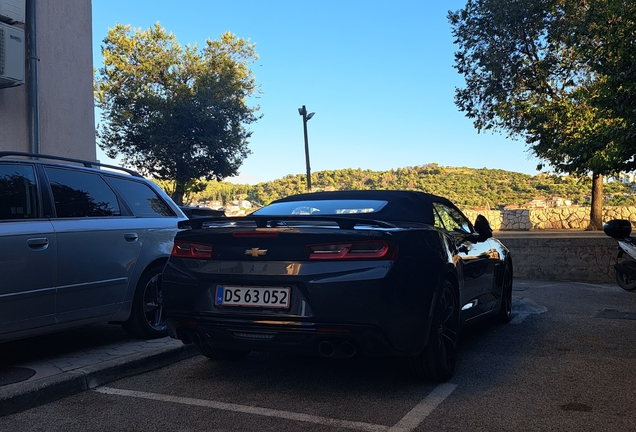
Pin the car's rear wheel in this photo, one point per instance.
(147, 319)
(505, 309)
(220, 353)
(437, 361)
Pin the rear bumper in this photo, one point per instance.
(381, 308)
(327, 340)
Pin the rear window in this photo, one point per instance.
(322, 207)
(18, 192)
(81, 194)
(141, 198)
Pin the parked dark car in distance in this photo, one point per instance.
(193, 212)
(389, 273)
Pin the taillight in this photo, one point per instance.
(362, 250)
(183, 249)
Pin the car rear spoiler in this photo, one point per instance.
(343, 222)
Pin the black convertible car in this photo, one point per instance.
(391, 273)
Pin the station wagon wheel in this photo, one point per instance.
(505, 310)
(437, 361)
(147, 319)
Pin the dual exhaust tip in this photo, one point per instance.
(343, 349)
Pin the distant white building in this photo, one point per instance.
(240, 204)
(212, 204)
(556, 201)
(536, 202)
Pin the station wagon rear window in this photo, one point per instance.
(18, 192)
(322, 207)
(81, 194)
(143, 201)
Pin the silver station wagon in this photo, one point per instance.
(81, 242)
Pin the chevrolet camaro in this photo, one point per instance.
(338, 274)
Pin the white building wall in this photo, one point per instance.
(14, 128)
(65, 85)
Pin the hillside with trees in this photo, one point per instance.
(467, 187)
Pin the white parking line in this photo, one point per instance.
(518, 318)
(409, 422)
(422, 410)
(523, 307)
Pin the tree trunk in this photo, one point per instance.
(179, 192)
(596, 212)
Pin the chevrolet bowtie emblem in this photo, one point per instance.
(255, 252)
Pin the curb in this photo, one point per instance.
(14, 399)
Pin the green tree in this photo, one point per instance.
(176, 113)
(608, 34)
(527, 69)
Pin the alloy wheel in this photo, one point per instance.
(153, 304)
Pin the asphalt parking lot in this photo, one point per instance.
(565, 362)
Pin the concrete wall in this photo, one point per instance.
(65, 88)
(582, 258)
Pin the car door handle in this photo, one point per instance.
(38, 243)
(131, 237)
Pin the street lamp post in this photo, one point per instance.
(306, 117)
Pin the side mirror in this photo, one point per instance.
(482, 226)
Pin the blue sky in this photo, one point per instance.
(377, 73)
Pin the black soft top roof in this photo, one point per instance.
(404, 206)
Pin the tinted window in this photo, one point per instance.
(142, 200)
(450, 219)
(322, 207)
(18, 192)
(81, 194)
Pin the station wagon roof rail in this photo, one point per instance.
(88, 164)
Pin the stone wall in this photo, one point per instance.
(552, 218)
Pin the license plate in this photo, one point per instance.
(264, 297)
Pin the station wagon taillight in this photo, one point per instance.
(362, 250)
(183, 249)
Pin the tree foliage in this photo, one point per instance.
(609, 32)
(529, 73)
(176, 113)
